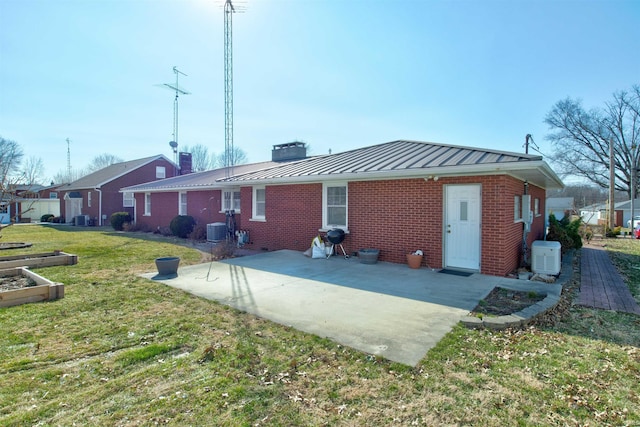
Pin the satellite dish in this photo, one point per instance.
(173, 144)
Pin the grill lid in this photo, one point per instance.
(335, 236)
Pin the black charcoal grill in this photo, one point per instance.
(336, 237)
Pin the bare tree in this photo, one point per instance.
(201, 160)
(101, 161)
(32, 170)
(65, 177)
(16, 177)
(11, 156)
(238, 157)
(581, 140)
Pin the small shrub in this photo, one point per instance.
(182, 225)
(133, 227)
(612, 233)
(118, 219)
(47, 218)
(163, 231)
(222, 250)
(199, 233)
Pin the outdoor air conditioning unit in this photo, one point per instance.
(216, 232)
(545, 257)
(82, 220)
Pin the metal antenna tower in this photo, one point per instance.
(229, 158)
(228, 87)
(68, 160)
(178, 90)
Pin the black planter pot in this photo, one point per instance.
(168, 266)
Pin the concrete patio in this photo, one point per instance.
(384, 309)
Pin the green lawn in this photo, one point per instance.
(122, 350)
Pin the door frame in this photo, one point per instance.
(446, 259)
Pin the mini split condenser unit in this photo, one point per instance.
(216, 232)
(545, 257)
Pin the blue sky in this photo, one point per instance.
(335, 74)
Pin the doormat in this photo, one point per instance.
(455, 272)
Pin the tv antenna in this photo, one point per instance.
(179, 91)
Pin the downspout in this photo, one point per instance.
(99, 206)
(526, 227)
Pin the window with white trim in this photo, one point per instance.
(182, 203)
(89, 199)
(231, 200)
(147, 204)
(127, 199)
(161, 172)
(53, 195)
(536, 207)
(334, 205)
(517, 209)
(259, 203)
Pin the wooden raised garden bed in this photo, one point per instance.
(21, 286)
(46, 259)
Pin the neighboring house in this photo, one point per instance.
(27, 203)
(559, 206)
(594, 214)
(96, 196)
(199, 194)
(599, 213)
(465, 208)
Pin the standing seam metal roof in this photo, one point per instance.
(399, 155)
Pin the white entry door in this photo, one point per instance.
(462, 227)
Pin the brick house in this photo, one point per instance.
(27, 203)
(198, 194)
(465, 208)
(96, 196)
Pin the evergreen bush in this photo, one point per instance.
(565, 231)
(47, 218)
(118, 219)
(182, 225)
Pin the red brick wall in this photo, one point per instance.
(197, 201)
(396, 217)
(293, 216)
(203, 206)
